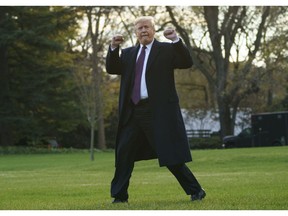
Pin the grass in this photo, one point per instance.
(234, 179)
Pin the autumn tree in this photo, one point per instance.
(226, 52)
(274, 59)
(88, 73)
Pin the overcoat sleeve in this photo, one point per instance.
(113, 62)
(182, 58)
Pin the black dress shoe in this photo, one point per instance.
(198, 196)
(116, 200)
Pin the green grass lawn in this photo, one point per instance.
(245, 179)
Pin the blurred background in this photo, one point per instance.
(55, 92)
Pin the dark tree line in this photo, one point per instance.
(36, 89)
(53, 82)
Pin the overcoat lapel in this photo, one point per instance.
(153, 53)
(131, 75)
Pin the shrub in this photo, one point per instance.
(213, 142)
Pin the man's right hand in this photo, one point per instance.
(116, 41)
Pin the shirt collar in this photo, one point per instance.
(148, 45)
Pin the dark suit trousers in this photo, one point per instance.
(140, 124)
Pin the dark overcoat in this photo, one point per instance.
(169, 134)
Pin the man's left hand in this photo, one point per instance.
(170, 34)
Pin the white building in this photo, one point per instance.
(209, 120)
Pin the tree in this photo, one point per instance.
(90, 78)
(35, 71)
(274, 55)
(6, 26)
(217, 54)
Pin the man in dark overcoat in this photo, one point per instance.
(150, 119)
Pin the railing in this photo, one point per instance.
(198, 133)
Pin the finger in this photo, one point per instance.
(118, 38)
(168, 32)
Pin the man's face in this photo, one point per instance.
(144, 32)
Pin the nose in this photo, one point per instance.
(143, 29)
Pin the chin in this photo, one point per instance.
(145, 42)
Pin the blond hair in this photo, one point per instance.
(145, 18)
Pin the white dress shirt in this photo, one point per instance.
(143, 87)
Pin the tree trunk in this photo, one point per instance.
(92, 141)
(101, 133)
(97, 75)
(225, 118)
(100, 115)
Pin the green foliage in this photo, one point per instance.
(234, 179)
(40, 94)
(213, 142)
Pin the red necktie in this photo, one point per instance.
(138, 73)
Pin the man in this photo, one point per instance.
(150, 120)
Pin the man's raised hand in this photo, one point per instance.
(116, 41)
